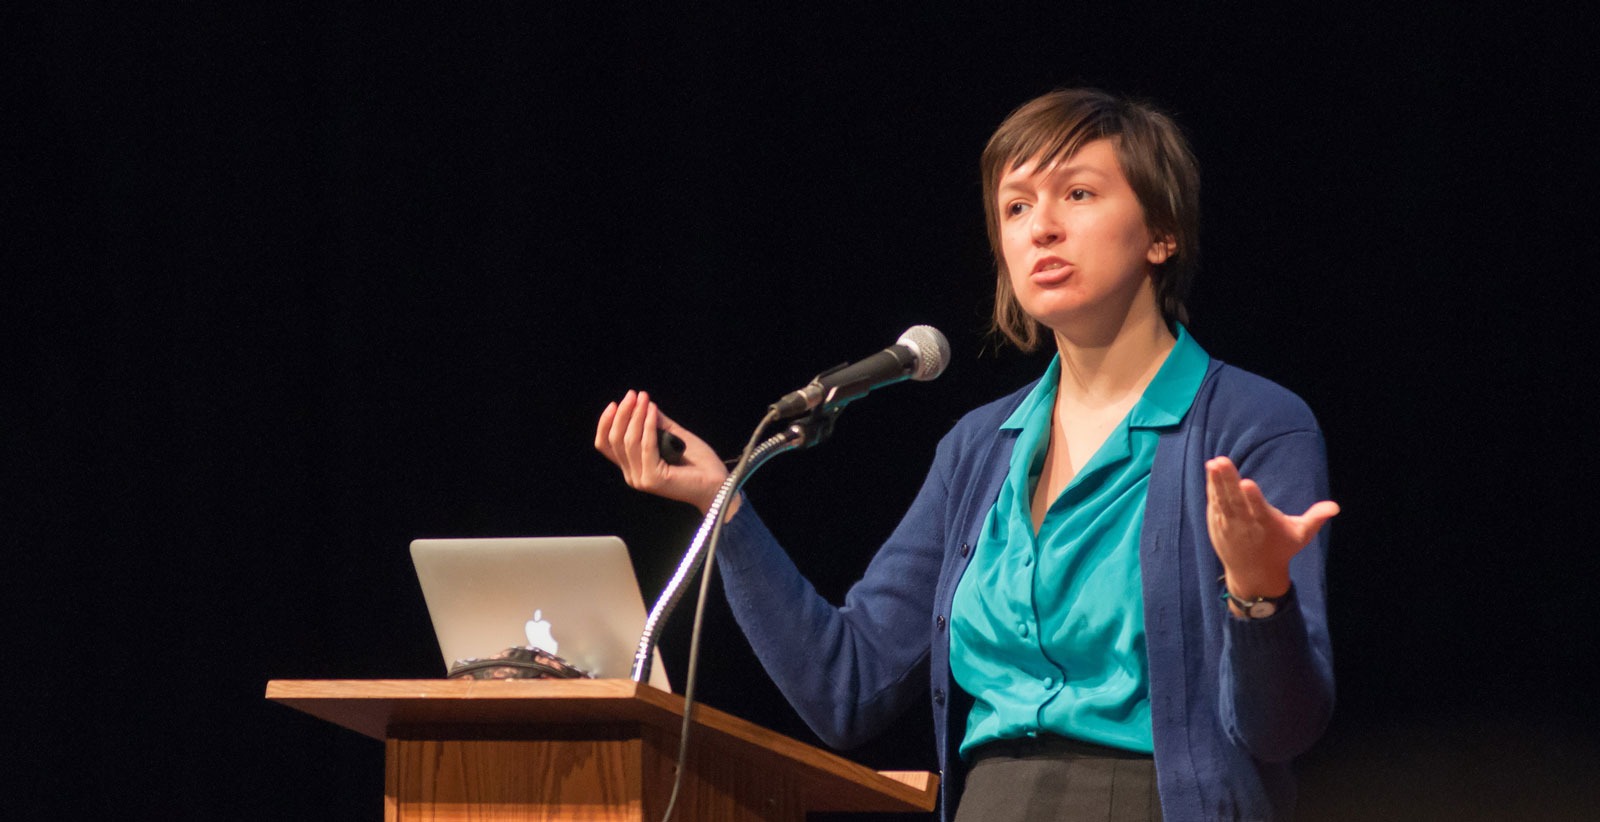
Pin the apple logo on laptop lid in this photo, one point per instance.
(538, 630)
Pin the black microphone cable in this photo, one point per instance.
(931, 352)
(700, 612)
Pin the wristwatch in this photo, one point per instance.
(1260, 607)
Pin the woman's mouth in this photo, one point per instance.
(1051, 271)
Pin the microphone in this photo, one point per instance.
(920, 354)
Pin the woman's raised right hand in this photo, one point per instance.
(627, 436)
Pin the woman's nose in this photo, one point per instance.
(1046, 226)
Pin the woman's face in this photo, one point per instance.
(1074, 239)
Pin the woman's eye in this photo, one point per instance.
(1016, 208)
(1079, 195)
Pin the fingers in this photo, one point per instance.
(1322, 511)
(1325, 509)
(1234, 496)
(1314, 518)
(1243, 497)
(613, 422)
(633, 434)
(611, 434)
(627, 434)
(602, 432)
(1255, 505)
(650, 443)
(1236, 508)
(1222, 488)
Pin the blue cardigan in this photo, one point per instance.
(1232, 701)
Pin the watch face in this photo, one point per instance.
(1262, 610)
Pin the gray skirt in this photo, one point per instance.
(1055, 778)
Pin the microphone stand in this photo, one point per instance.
(811, 429)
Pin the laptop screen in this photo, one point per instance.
(575, 597)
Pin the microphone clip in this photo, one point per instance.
(813, 428)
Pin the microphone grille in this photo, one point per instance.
(931, 349)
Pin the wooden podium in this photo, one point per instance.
(605, 749)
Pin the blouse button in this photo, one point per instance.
(1049, 682)
(1022, 628)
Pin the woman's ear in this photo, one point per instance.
(1161, 249)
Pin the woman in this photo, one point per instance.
(1103, 610)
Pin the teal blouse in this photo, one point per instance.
(1047, 630)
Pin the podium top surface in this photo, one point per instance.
(390, 708)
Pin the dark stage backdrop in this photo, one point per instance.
(289, 287)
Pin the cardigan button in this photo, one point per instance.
(938, 696)
(965, 548)
(938, 622)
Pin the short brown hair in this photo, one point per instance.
(1155, 158)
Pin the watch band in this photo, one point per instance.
(1259, 607)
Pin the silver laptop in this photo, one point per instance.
(575, 597)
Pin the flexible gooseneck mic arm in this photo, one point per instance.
(921, 354)
(808, 431)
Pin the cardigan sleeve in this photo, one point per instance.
(848, 670)
(1276, 674)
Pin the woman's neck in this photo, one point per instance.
(1101, 366)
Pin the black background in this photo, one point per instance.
(288, 287)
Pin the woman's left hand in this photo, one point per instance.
(1254, 540)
